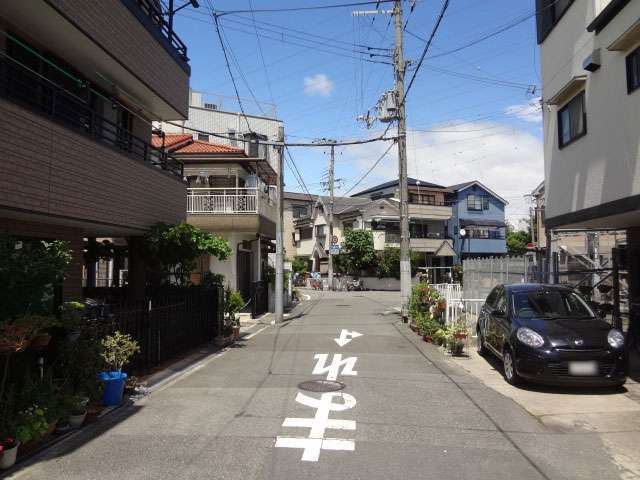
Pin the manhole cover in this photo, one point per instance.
(321, 386)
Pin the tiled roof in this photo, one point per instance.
(412, 182)
(170, 140)
(198, 146)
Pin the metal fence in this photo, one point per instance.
(166, 325)
(480, 275)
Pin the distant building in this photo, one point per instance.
(478, 212)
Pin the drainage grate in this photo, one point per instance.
(321, 386)
(342, 305)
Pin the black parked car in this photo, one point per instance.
(549, 334)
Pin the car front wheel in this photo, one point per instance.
(509, 364)
(480, 348)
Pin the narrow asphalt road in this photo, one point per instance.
(406, 412)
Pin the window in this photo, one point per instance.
(346, 226)
(633, 70)
(306, 233)
(299, 211)
(493, 296)
(473, 202)
(485, 202)
(203, 137)
(572, 121)
(549, 13)
(320, 230)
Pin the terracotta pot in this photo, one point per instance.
(236, 333)
(427, 338)
(52, 427)
(460, 336)
(93, 411)
(41, 341)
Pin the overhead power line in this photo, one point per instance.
(375, 164)
(300, 9)
(381, 138)
(226, 60)
(443, 10)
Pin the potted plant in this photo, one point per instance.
(8, 451)
(117, 350)
(232, 305)
(71, 319)
(32, 426)
(77, 416)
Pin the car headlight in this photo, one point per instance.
(615, 338)
(529, 337)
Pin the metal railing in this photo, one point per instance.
(44, 97)
(222, 200)
(157, 17)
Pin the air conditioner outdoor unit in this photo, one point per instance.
(210, 106)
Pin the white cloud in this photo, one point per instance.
(507, 160)
(528, 112)
(318, 84)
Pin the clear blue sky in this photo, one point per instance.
(487, 127)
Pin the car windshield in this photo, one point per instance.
(550, 304)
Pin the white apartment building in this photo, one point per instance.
(590, 58)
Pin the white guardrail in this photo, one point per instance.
(222, 200)
(459, 310)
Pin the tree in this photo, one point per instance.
(299, 266)
(517, 240)
(28, 272)
(175, 249)
(358, 250)
(389, 262)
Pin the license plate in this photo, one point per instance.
(583, 368)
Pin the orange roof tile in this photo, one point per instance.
(203, 147)
(170, 139)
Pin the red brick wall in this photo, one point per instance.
(113, 27)
(49, 169)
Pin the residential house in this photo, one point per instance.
(590, 59)
(430, 212)
(232, 195)
(478, 212)
(295, 206)
(80, 84)
(232, 128)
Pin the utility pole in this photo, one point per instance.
(331, 181)
(405, 261)
(279, 233)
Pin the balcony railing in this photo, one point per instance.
(29, 89)
(395, 237)
(486, 235)
(148, 7)
(230, 201)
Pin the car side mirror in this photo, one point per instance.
(496, 312)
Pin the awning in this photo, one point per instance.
(445, 250)
(481, 223)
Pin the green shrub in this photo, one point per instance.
(117, 350)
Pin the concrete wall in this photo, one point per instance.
(604, 165)
(48, 169)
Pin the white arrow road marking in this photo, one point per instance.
(346, 336)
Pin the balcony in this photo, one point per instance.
(45, 98)
(435, 211)
(233, 209)
(95, 38)
(427, 243)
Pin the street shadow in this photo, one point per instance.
(57, 446)
(496, 364)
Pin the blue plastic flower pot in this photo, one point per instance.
(113, 387)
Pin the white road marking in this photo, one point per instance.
(333, 370)
(251, 335)
(315, 442)
(346, 336)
